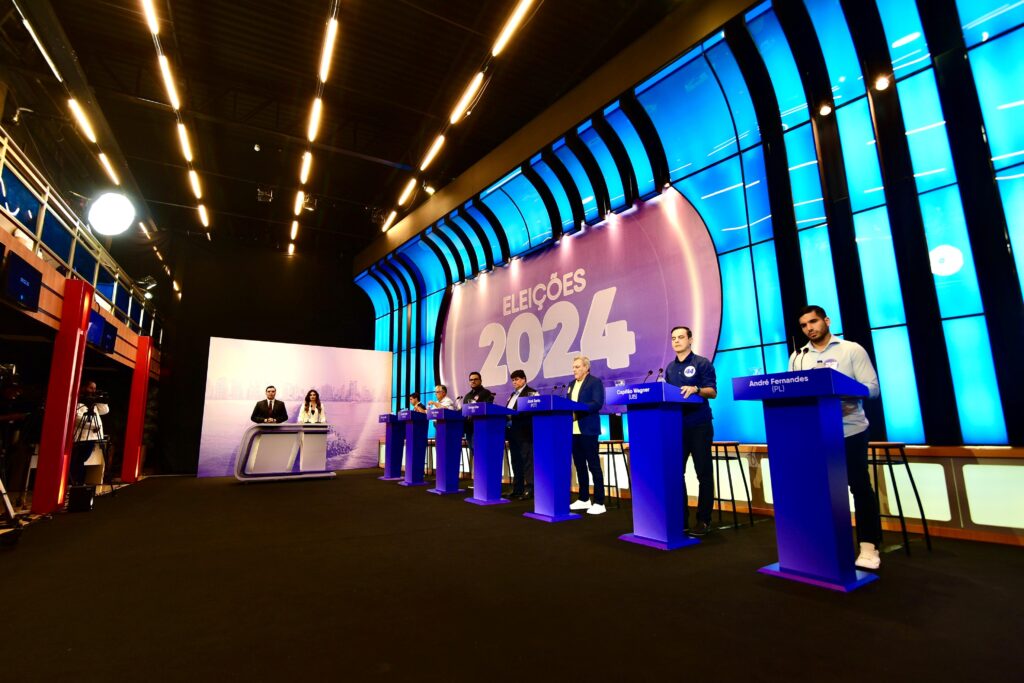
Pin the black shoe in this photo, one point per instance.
(526, 495)
(514, 495)
(702, 529)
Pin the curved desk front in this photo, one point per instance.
(275, 452)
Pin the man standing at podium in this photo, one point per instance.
(695, 376)
(270, 411)
(586, 427)
(519, 433)
(826, 351)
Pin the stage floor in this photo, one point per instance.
(191, 579)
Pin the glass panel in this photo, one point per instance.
(819, 276)
(580, 177)
(689, 112)
(903, 32)
(769, 296)
(717, 194)
(382, 334)
(511, 220)
(776, 358)
(737, 420)
(1011, 188)
(808, 203)
(18, 200)
(85, 263)
(974, 380)
(642, 169)
(426, 262)
(531, 205)
(878, 266)
(105, 284)
(431, 310)
(557, 190)
(457, 222)
(427, 379)
(998, 68)
(949, 249)
(789, 91)
(857, 138)
(736, 92)
(837, 45)
(454, 266)
(121, 297)
(759, 210)
(739, 327)
(982, 19)
(606, 162)
(456, 242)
(926, 131)
(56, 236)
(898, 385)
(493, 243)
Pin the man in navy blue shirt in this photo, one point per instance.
(695, 375)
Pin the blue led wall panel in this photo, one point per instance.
(857, 138)
(736, 93)
(1011, 188)
(776, 358)
(998, 68)
(692, 119)
(769, 296)
(558, 191)
(949, 249)
(974, 378)
(778, 58)
(717, 194)
(531, 207)
(878, 266)
(382, 333)
(837, 45)
(808, 202)
(456, 223)
(105, 284)
(759, 210)
(606, 162)
(84, 263)
(895, 367)
(431, 312)
(493, 243)
(926, 131)
(57, 237)
(455, 239)
(455, 266)
(737, 420)
(580, 177)
(982, 19)
(905, 36)
(642, 168)
(739, 325)
(819, 275)
(426, 262)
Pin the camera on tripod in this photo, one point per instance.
(90, 400)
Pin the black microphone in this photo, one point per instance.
(660, 370)
(649, 373)
(803, 354)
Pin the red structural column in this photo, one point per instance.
(132, 462)
(62, 398)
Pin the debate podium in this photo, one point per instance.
(280, 451)
(449, 426)
(552, 455)
(488, 451)
(415, 446)
(656, 462)
(394, 441)
(804, 427)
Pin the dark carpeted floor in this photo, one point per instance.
(356, 579)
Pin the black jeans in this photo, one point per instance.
(697, 443)
(869, 524)
(521, 452)
(584, 456)
(80, 452)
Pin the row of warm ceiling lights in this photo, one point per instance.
(315, 114)
(153, 21)
(470, 96)
(85, 126)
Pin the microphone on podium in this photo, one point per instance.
(649, 373)
(660, 371)
(802, 354)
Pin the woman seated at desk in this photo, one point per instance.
(312, 411)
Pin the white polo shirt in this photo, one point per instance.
(852, 360)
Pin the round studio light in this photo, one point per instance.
(111, 214)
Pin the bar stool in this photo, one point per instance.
(727, 451)
(881, 453)
(610, 449)
(466, 460)
(430, 466)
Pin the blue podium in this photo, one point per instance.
(804, 426)
(415, 446)
(448, 429)
(394, 441)
(656, 462)
(488, 451)
(552, 455)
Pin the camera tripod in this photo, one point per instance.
(89, 425)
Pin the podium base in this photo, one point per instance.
(442, 492)
(660, 545)
(480, 501)
(863, 578)
(412, 483)
(552, 518)
(386, 478)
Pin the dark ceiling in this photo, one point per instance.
(247, 75)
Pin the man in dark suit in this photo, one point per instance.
(586, 427)
(270, 411)
(519, 433)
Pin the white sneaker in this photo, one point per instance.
(869, 557)
(580, 505)
(596, 509)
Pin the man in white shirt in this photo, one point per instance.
(441, 398)
(88, 429)
(823, 350)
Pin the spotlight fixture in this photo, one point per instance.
(881, 83)
(264, 195)
(429, 189)
(111, 214)
(825, 110)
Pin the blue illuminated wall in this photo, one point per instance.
(693, 125)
